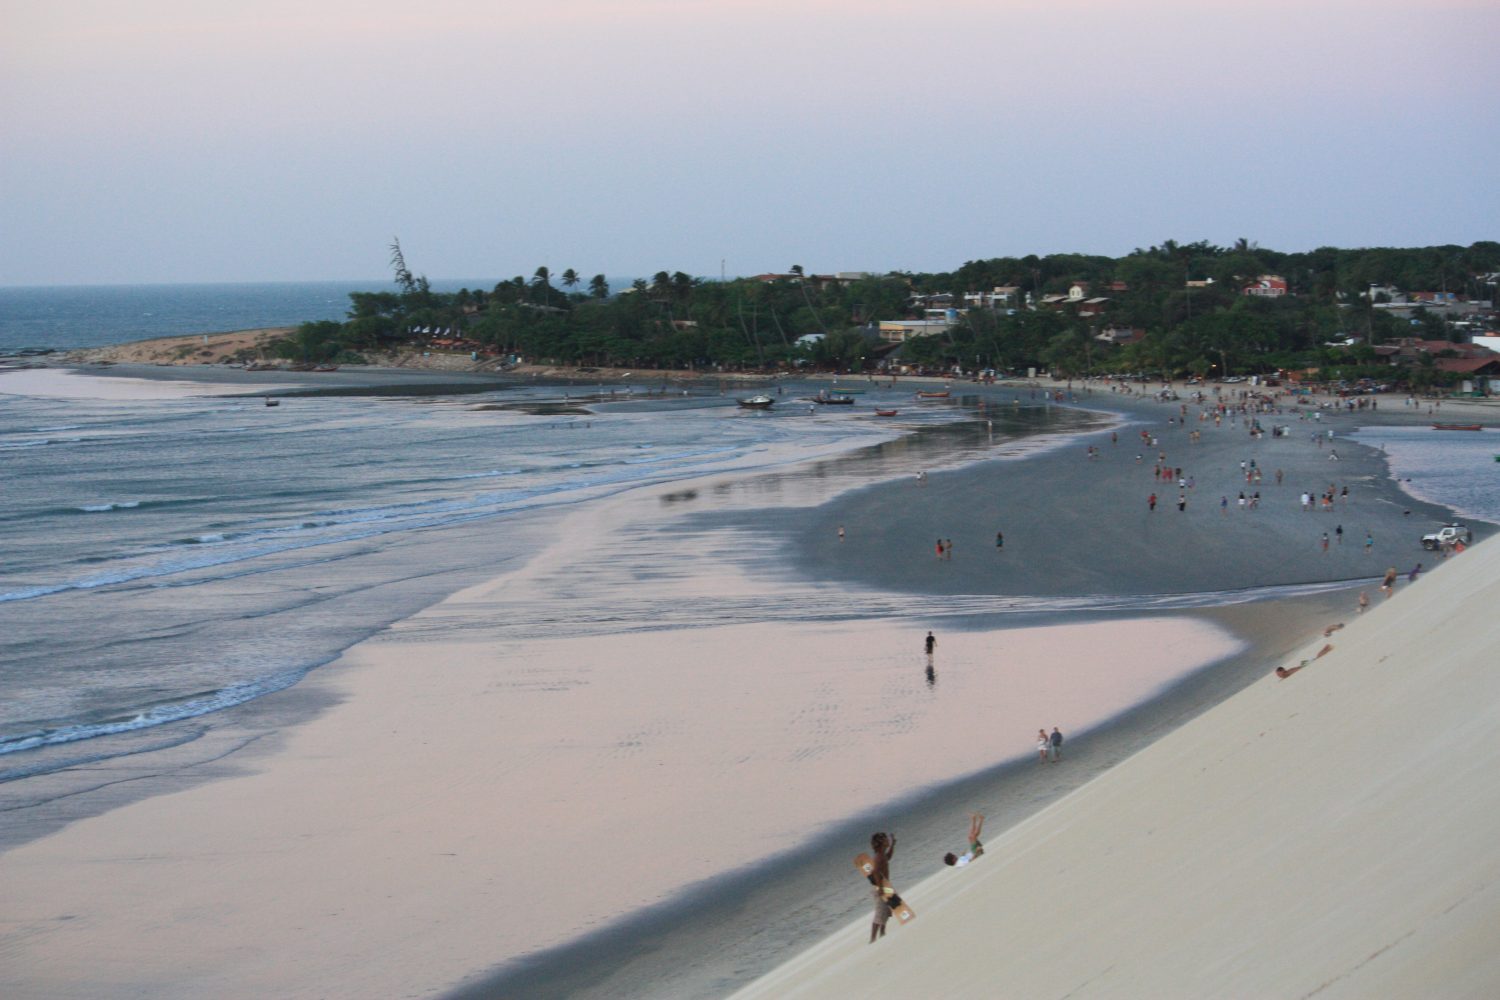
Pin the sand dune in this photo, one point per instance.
(1329, 834)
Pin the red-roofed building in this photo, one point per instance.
(1271, 286)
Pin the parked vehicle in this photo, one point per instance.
(1448, 534)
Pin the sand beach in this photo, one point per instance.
(441, 826)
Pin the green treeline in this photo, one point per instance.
(1186, 299)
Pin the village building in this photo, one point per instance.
(1271, 286)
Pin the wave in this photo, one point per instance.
(38, 443)
(492, 474)
(209, 549)
(99, 508)
(173, 710)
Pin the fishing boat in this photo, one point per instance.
(272, 402)
(1457, 427)
(933, 395)
(886, 413)
(757, 402)
(828, 399)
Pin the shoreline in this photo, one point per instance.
(840, 893)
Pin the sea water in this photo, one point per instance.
(1458, 469)
(164, 560)
(69, 317)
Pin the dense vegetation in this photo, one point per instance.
(674, 320)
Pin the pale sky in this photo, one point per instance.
(196, 140)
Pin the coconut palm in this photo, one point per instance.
(598, 287)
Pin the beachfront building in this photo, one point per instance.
(898, 331)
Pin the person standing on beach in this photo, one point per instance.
(1181, 502)
(930, 643)
(1043, 745)
(1388, 583)
(1056, 740)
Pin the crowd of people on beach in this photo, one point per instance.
(1243, 412)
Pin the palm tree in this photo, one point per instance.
(542, 279)
(570, 278)
(598, 287)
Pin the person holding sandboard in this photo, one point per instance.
(876, 868)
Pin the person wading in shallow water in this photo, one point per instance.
(929, 644)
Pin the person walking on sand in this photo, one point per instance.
(930, 643)
(976, 849)
(1388, 582)
(1056, 741)
(1043, 745)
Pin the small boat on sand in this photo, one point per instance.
(933, 395)
(757, 402)
(886, 413)
(1457, 427)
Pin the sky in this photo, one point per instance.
(197, 140)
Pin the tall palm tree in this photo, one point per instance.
(570, 278)
(542, 279)
(599, 287)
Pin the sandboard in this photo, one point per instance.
(903, 913)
